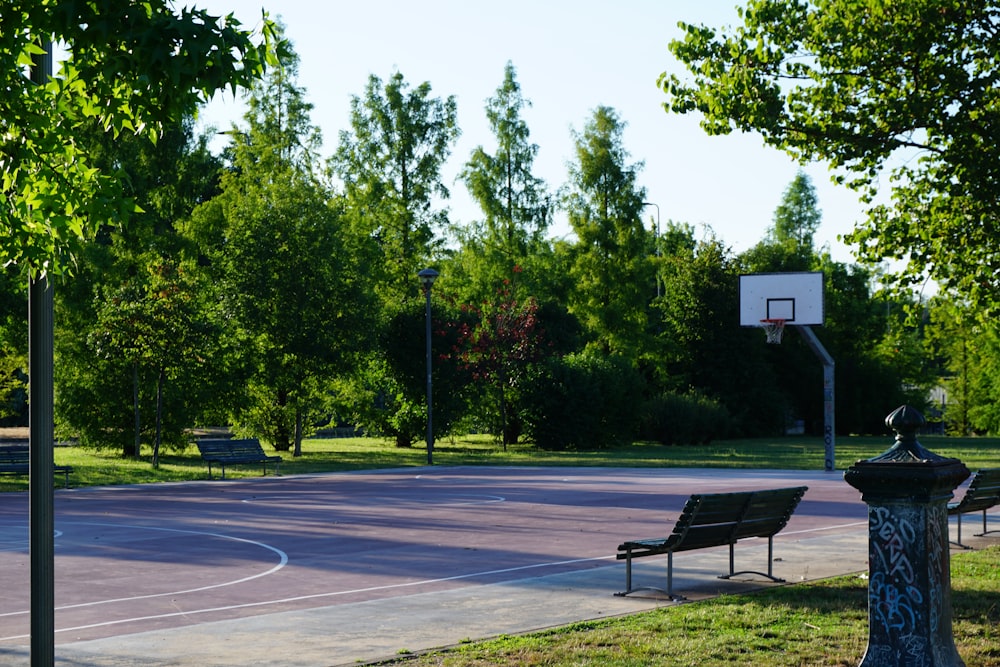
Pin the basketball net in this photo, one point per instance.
(773, 329)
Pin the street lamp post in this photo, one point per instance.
(656, 240)
(427, 278)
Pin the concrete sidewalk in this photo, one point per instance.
(352, 634)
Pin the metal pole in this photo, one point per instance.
(829, 434)
(40, 433)
(430, 408)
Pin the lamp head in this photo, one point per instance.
(427, 277)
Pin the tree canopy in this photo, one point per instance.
(884, 92)
(121, 74)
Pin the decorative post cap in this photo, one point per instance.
(906, 421)
(907, 469)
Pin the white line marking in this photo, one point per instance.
(282, 561)
(311, 597)
(314, 596)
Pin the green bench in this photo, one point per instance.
(226, 452)
(714, 520)
(982, 494)
(15, 459)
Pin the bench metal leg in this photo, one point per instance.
(628, 574)
(958, 542)
(770, 567)
(670, 578)
(986, 530)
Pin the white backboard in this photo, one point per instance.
(796, 298)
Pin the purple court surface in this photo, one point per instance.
(132, 559)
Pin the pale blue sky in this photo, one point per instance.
(571, 56)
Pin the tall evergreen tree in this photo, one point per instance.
(513, 200)
(612, 269)
(798, 216)
(390, 163)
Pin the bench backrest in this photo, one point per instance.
(226, 447)
(983, 492)
(14, 455)
(723, 518)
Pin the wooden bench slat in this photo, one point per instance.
(16, 459)
(718, 519)
(233, 452)
(982, 494)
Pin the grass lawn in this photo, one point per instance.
(817, 623)
(96, 468)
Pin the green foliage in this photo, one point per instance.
(135, 306)
(582, 402)
(684, 419)
(286, 267)
(514, 203)
(500, 352)
(138, 366)
(875, 87)
(702, 351)
(13, 348)
(387, 396)
(13, 385)
(967, 350)
(611, 265)
(122, 76)
(798, 216)
(390, 163)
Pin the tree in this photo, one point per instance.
(611, 263)
(965, 349)
(122, 75)
(904, 88)
(108, 389)
(513, 200)
(703, 348)
(286, 264)
(390, 164)
(500, 352)
(153, 323)
(13, 349)
(797, 217)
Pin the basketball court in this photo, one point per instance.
(184, 557)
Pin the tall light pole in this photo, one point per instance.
(656, 241)
(427, 278)
(41, 521)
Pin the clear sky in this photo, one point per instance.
(571, 56)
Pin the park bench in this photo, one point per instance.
(226, 452)
(714, 520)
(982, 494)
(14, 460)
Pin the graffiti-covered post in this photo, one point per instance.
(907, 489)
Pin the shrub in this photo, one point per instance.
(582, 402)
(684, 419)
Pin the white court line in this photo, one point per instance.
(816, 530)
(478, 499)
(282, 556)
(333, 594)
(312, 596)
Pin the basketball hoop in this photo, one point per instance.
(773, 329)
